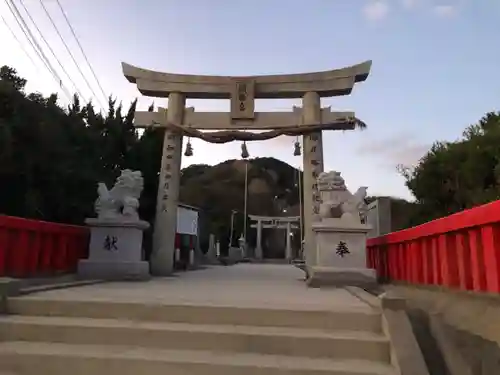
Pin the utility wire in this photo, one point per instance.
(19, 42)
(69, 51)
(50, 49)
(81, 49)
(36, 47)
(11, 6)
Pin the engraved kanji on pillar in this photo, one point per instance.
(169, 149)
(316, 167)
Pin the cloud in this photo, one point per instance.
(410, 4)
(398, 149)
(440, 8)
(448, 10)
(376, 10)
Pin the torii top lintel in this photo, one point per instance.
(329, 83)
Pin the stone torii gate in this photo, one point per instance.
(274, 222)
(180, 121)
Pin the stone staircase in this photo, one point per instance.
(59, 337)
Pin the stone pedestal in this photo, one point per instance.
(258, 254)
(235, 254)
(341, 255)
(288, 241)
(217, 249)
(191, 258)
(211, 255)
(115, 251)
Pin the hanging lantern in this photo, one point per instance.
(244, 150)
(296, 151)
(189, 148)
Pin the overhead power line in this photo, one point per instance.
(18, 41)
(70, 53)
(81, 49)
(36, 47)
(50, 49)
(28, 36)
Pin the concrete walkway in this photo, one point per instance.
(268, 286)
(245, 319)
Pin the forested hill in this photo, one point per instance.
(273, 190)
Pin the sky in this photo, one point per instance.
(434, 66)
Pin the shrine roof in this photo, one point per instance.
(189, 207)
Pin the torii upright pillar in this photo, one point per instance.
(313, 165)
(162, 256)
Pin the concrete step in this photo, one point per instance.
(312, 343)
(58, 359)
(349, 319)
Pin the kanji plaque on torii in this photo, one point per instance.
(308, 121)
(243, 100)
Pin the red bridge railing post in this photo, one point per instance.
(477, 261)
(489, 238)
(4, 238)
(463, 261)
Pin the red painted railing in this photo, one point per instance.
(36, 248)
(458, 251)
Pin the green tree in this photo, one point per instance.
(51, 157)
(454, 176)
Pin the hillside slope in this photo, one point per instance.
(220, 189)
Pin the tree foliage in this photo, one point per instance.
(454, 176)
(51, 158)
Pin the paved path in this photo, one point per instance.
(242, 285)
